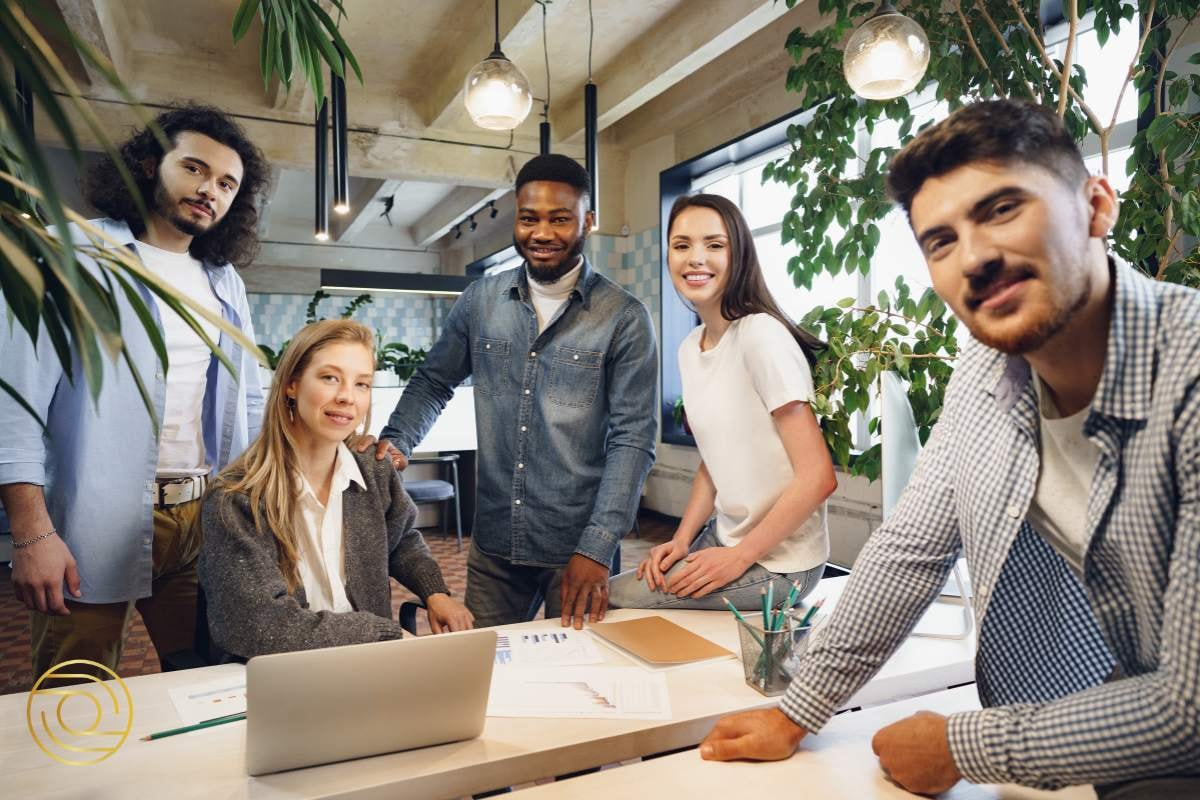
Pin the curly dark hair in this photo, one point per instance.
(235, 239)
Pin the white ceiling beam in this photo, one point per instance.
(453, 208)
(520, 25)
(100, 23)
(679, 45)
(364, 208)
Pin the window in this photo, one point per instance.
(764, 205)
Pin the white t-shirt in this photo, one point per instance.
(319, 532)
(729, 393)
(181, 443)
(1068, 462)
(548, 298)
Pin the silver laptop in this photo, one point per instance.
(318, 706)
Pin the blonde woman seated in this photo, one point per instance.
(301, 534)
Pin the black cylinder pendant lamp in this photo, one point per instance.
(544, 138)
(589, 144)
(321, 167)
(341, 167)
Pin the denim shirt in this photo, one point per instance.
(99, 460)
(565, 419)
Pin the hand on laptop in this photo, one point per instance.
(447, 614)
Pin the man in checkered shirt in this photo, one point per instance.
(1066, 465)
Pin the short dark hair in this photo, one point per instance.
(998, 131)
(556, 167)
(235, 239)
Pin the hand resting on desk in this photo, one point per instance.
(914, 753)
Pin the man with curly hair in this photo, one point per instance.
(104, 505)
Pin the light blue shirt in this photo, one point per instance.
(98, 461)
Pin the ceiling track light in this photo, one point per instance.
(887, 56)
(458, 231)
(492, 205)
(496, 92)
(471, 223)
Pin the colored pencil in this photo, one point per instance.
(811, 611)
(208, 723)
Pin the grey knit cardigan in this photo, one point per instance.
(250, 611)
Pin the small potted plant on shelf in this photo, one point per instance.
(395, 362)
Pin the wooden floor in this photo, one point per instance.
(139, 657)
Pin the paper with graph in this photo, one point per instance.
(591, 692)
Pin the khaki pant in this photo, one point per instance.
(96, 631)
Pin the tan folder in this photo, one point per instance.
(658, 641)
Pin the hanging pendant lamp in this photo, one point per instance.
(341, 167)
(496, 92)
(321, 167)
(887, 56)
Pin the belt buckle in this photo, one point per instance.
(180, 490)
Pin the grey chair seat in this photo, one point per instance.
(430, 491)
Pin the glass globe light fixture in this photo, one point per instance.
(497, 93)
(887, 56)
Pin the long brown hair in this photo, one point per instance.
(746, 292)
(267, 471)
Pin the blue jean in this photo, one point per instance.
(626, 591)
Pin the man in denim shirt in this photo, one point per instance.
(565, 369)
(105, 504)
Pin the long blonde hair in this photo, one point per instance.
(267, 471)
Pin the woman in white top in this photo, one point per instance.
(301, 534)
(765, 469)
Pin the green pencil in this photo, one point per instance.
(768, 620)
(738, 615)
(208, 723)
(813, 610)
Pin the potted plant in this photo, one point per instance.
(395, 362)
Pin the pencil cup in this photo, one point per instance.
(765, 657)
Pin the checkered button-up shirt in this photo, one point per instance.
(1047, 640)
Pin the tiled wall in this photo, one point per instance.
(412, 319)
(633, 262)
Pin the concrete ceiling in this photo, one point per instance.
(411, 138)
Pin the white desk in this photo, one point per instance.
(838, 763)
(210, 763)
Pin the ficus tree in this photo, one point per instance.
(979, 49)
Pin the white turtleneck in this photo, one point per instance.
(548, 298)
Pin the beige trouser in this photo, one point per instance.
(96, 631)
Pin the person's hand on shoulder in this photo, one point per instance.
(383, 449)
(447, 614)
(765, 735)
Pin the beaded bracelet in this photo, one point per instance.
(18, 545)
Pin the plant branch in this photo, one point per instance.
(971, 42)
(1049, 64)
(991, 23)
(879, 351)
(877, 310)
(1137, 55)
(1162, 70)
(1065, 83)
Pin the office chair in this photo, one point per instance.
(439, 491)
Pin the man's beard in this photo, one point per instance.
(168, 208)
(1039, 331)
(568, 262)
